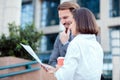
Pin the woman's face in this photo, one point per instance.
(73, 27)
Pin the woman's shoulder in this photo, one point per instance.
(77, 40)
(83, 39)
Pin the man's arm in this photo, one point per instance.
(59, 49)
(55, 53)
(64, 42)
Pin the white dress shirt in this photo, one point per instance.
(83, 60)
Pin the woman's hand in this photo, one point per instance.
(53, 70)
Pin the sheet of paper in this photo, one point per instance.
(32, 53)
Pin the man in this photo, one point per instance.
(62, 40)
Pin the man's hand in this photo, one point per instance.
(64, 37)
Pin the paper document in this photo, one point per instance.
(32, 53)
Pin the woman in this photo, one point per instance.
(84, 57)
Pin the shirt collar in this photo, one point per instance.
(87, 36)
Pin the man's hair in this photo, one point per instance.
(85, 21)
(68, 5)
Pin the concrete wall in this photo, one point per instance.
(9, 12)
(35, 75)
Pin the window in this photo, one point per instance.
(49, 14)
(47, 42)
(114, 8)
(27, 12)
(93, 5)
(113, 56)
(107, 66)
(115, 40)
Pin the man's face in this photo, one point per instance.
(65, 17)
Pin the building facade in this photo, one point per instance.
(44, 14)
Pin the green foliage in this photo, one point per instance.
(10, 45)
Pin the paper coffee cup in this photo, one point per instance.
(60, 61)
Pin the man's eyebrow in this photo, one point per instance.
(65, 16)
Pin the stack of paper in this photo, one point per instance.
(32, 53)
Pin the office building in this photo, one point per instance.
(44, 14)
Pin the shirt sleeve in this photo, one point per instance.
(64, 47)
(67, 71)
(58, 50)
(55, 53)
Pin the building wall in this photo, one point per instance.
(104, 23)
(9, 12)
(34, 75)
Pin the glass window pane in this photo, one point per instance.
(27, 13)
(47, 42)
(93, 5)
(114, 8)
(49, 14)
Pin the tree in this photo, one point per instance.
(10, 45)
